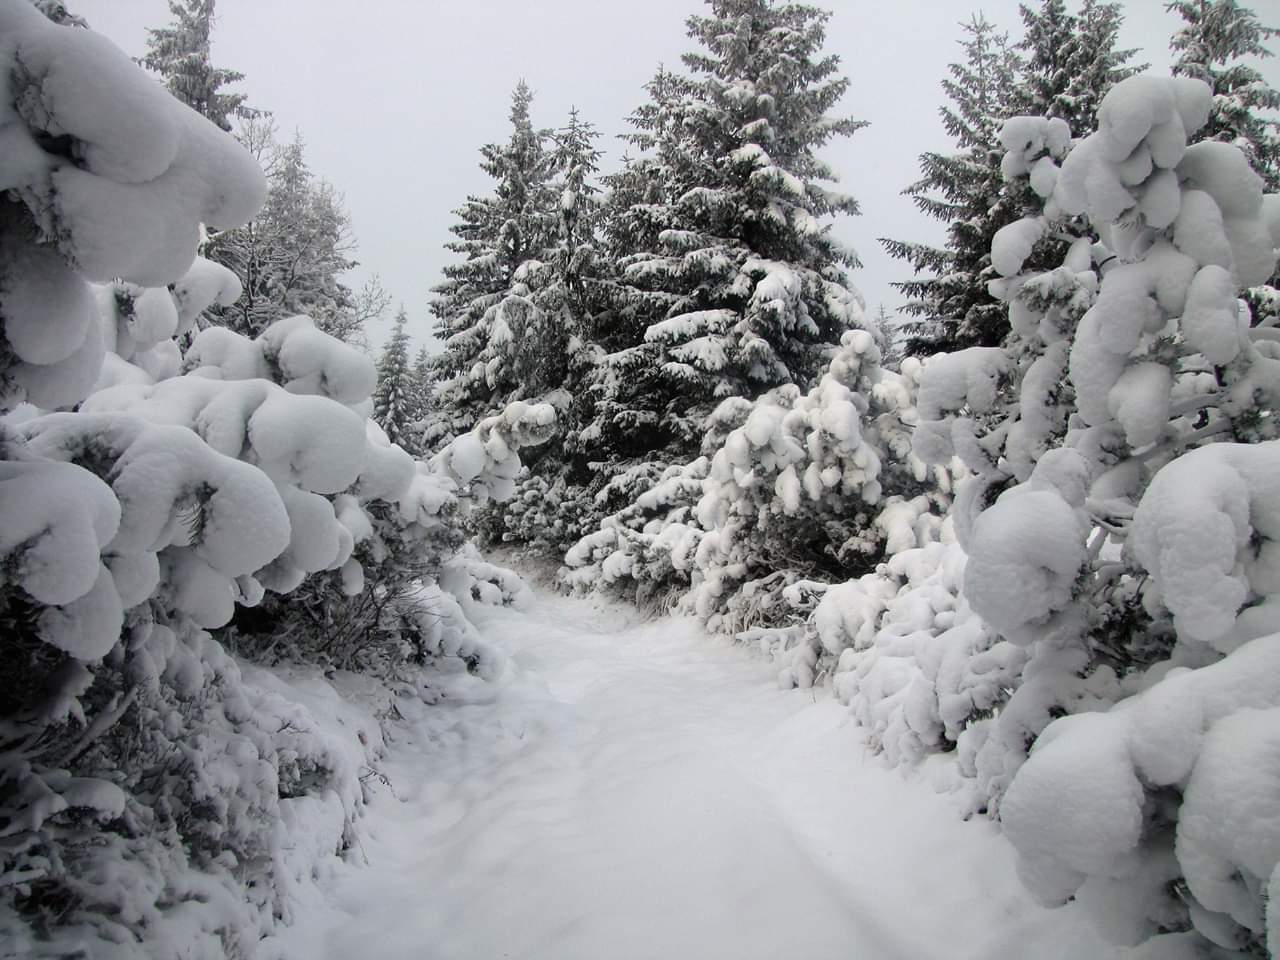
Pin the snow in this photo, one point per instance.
(149, 171)
(1025, 553)
(1224, 499)
(1209, 322)
(1013, 243)
(205, 284)
(1229, 830)
(89, 626)
(46, 308)
(1075, 812)
(314, 362)
(58, 517)
(1139, 402)
(967, 377)
(632, 790)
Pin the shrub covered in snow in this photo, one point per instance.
(1117, 534)
(149, 786)
(795, 488)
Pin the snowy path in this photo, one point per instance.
(636, 790)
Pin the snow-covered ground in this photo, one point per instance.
(637, 790)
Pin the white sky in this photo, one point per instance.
(395, 97)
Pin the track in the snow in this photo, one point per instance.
(635, 791)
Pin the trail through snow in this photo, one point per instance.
(636, 790)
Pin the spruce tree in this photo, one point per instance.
(1066, 65)
(557, 362)
(290, 258)
(424, 383)
(966, 190)
(181, 54)
(730, 283)
(1212, 45)
(887, 330)
(395, 400)
(483, 311)
(1071, 60)
(626, 392)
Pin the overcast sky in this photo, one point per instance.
(395, 97)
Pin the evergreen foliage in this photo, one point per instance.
(424, 384)
(396, 399)
(181, 53)
(1062, 67)
(290, 257)
(966, 190)
(729, 281)
(1213, 45)
(485, 315)
(1070, 61)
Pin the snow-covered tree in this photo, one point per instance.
(1062, 67)
(1214, 44)
(887, 330)
(1070, 60)
(567, 288)
(1116, 527)
(291, 256)
(729, 282)
(794, 492)
(182, 54)
(395, 398)
(486, 317)
(424, 385)
(967, 192)
(151, 790)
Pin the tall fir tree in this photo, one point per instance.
(1213, 44)
(888, 331)
(182, 54)
(484, 314)
(1063, 66)
(625, 391)
(557, 362)
(291, 257)
(1070, 60)
(424, 384)
(730, 282)
(396, 398)
(949, 302)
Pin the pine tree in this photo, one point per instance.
(567, 289)
(887, 330)
(484, 313)
(181, 54)
(557, 361)
(290, 258)
(729, 283)
(1071, 60)
(967, 191)
(573, 252)
(424, 384)
(1211, 46)
(626, 391)
(395, 400)
(1068, 63)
